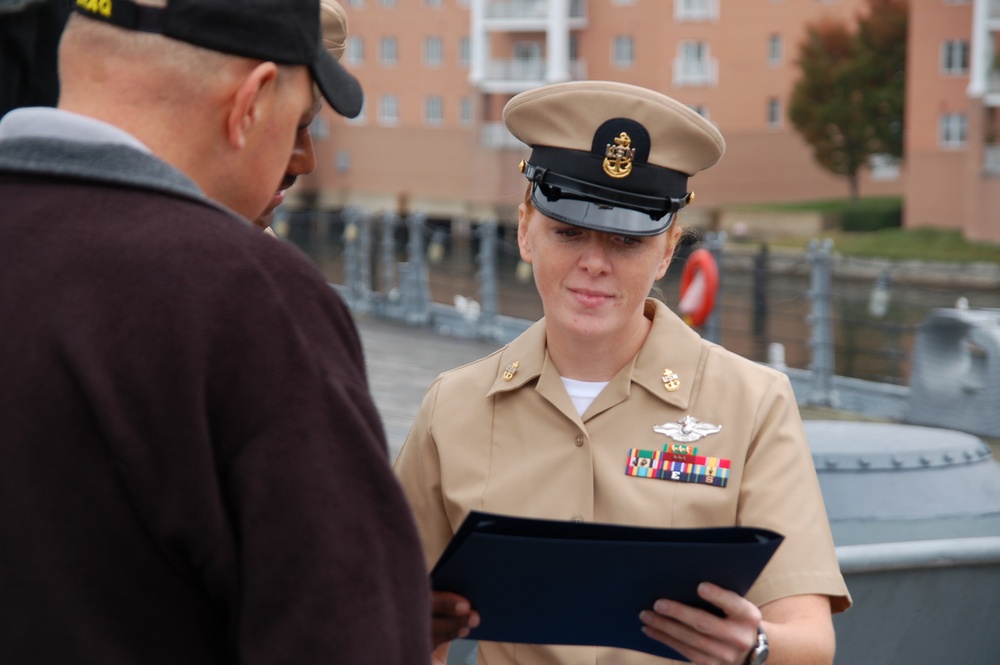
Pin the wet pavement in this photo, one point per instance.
(402, 362)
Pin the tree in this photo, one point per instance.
(848, 102)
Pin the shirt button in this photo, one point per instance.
(578, 518)
(579, 439)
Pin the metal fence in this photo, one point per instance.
(842, 329)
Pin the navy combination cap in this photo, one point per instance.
(285, 32)
(610, 156)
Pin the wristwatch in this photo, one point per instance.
(758, 655)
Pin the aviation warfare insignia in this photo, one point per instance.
(686, 429)
(618, 157)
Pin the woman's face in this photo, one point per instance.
(592, 284)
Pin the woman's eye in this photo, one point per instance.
(629, 241)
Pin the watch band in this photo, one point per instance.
(758, 655)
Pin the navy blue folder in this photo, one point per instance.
(549, 582)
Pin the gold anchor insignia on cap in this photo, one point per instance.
(618, 157)
(510, 370)
(687, 429)
(670, 380)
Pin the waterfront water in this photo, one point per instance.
(866, 347)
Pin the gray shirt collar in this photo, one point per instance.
(45, 122)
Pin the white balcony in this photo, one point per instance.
(508, 9)
(518, 75)
(517, 15)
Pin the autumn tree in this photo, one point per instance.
(848, 102)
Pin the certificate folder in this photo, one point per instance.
(550, 582)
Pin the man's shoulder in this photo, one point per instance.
(114, 164)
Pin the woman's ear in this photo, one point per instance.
(673, 235)
(523, 219)
(250, 101)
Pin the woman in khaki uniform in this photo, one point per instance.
(551, 425)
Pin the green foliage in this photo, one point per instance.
(848, 102)
(872, 215)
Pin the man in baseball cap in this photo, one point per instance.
(273, 30)
(303, 160)
(194, 470)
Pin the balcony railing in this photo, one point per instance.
(530, 9)
(529, 70)
(696, 73)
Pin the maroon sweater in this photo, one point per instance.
(192, 469)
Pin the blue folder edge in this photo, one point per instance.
(537, 581)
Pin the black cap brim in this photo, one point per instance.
(337, 85)
(599, 216)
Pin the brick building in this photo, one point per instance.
(437, 74)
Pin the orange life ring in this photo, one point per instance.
(699, 286)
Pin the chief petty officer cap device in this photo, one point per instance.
(609, 156)
(285, 32)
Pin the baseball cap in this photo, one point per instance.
(286, 32)
(611, 156)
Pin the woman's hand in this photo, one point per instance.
(702, 637)
(452, 617)
(799, 628)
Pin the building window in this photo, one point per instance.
(774, 113)
(775, 50)
(465, 111)
(694, 65)
(433, 51)
(528, 64)
(624, 51)
(360, 119)
(464, 51)
(884, 167)
(342, 161)
(433, 111)
(354, 52)
(955, 57)
(387, 51)
(436, 4)
(387, 3)
(952, 130)
(319, 128)
(356, 4)
(388, 110)
(696, 10)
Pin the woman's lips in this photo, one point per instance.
(590, 297)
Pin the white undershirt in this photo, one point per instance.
(582, 393)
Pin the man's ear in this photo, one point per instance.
(250, 101)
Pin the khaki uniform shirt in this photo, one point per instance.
(518, 447)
